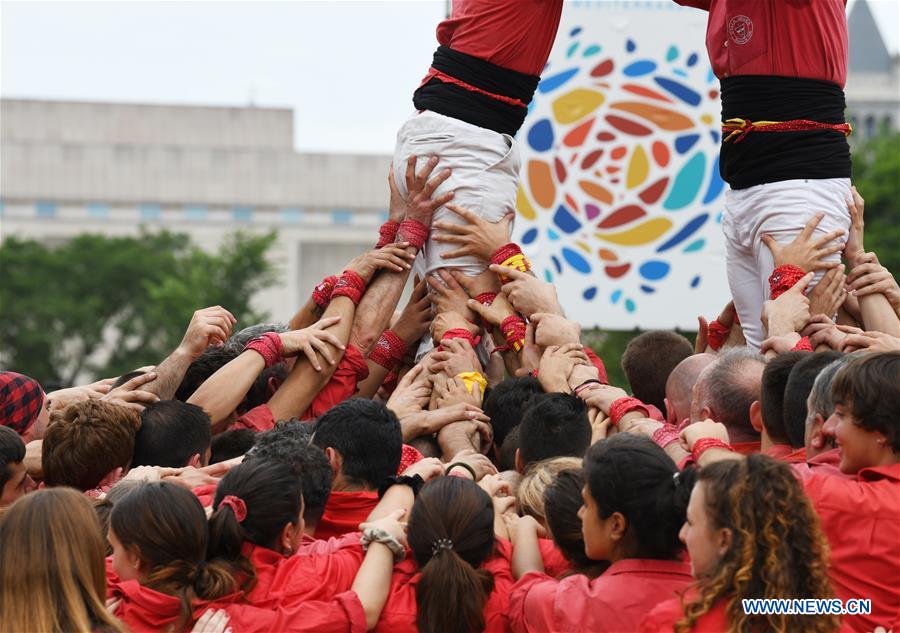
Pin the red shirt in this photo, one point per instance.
(515, 35)
(663, 618)
(344, 511)
(786, 453)
(555, 564)
(257, 419)
(615, 601)
(399, 614)
(350, 371)
(803, 38)
(311, 546)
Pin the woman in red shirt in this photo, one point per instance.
(750, 532)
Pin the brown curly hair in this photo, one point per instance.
(777, 550)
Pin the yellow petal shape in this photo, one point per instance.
(638, 168)
(524, 206)
(576, 104)
(641, 234)
(666, 119)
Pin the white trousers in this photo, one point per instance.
(780, 209)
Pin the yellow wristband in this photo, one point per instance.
(469, 379)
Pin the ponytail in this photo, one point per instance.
(451, 594)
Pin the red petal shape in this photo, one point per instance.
(618, 153)
(653, 193)
(591, 158)
(627, 126)
(605, 136)
(560, 170)
(617, 271)
(571, 202)
(646, 92)
(603, 68)
(577, 135)
(660, 153)
(622, 216)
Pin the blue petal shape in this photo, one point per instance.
(557, 264)
(572, 49)
(680, 72)
(530, 236)
(553, 235)
(678, 90)
(575, 31)
(648, 289)
(692, 59)
(548, 276)
(629, 305)
(695, 246)
(642, 67)
(567, 222)
(687, 183)
(671, 54)
(540, 136)
(615, 296)
(682, 143)
(555, 81)
(576, 261)
(719, 218)
(630, 45)
(686, 231)
(590, 293)
(695, 281)
(592, 50)
(710, 76)
(716, 184)
(654, 270)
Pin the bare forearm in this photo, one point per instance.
(369, 387)
(878, 314)
(223, 391)
(377, 306)
(373, 581)
(169, 374)
(397, 497)
(306, 316)
(526, 552)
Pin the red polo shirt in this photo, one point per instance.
(786, 453)
(350, 372)
(773, 37)
(663, 618)
(615, 601)
(344, 511)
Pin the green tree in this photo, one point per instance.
(103, 305)
(876, 174)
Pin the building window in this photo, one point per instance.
(870, 127)
(45, 209)
(150, 212)
(341, 216)
(242, 214)
(292, 216)
(98, 210)
(887, 124)
(195, 212)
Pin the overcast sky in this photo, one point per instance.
(347, 69)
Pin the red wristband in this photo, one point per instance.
(706, 443)
(414, 232)
(350, 285)
(387, 233)
(463, 333)
(665, 435)
(510, 256)
(717, 335)
(620, 407)
(322, 292)
(513, 329)
(486, 298)
(505, 252)
(783, 278)
(388, 351)
(803, 345)
(268, 346)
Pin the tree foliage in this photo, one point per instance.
(876, 174)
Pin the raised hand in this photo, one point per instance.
(448, 295)
(495, 313)
(416, 315)
(870, 277)
(420, 206)
(870, 342)
(476, 236)
(806, 252)
(527, 293)
(553, 329)
(392, 257)
(209, 326)
(128, 395)
(475, 285)
(450, 321)
(829, 293)
(312, 341)
(855, 247)
(788, 313)
(412, 393)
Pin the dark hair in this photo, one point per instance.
(554, 425)
(171, 433)
(562, 501)
(634, 476)
(209, 362)
(648, 360)
(167, 526)
(452, 591)
(12, 451)
(509, 448)
(367, 435)
(730, 385)
(273, 495)
(796, 392)
(870, 387)
(771, 397)
(121, 380)
(230, 444)
(288, 442)
(506, 403)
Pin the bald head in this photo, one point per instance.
(680, 385)
(727, 388)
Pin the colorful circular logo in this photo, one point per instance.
(740, 29)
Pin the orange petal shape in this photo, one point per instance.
(638, 168)
(664, 118)
(607, 255)
(643, 233)
(660, 153)
(542, 187)
(576, 105)
(524, 206)
(622, 216)
(597, 192)
(577, 135)
(646, 92)
(618, 153)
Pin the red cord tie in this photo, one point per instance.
(460, 332)
(665, 435)
(350, 285)
(510, 256)
(717, 335)
(783, 278)
(485, 299)
(803, 345)
(704, 444)
(620, 407)
(414, 232)
(322, 292)
(513, 329)
(739, 128)
(268, 346)
(389, 350)
(387, 233)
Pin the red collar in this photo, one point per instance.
(890, 472)
(648, 565)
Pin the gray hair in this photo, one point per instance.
(236, 343)
(731, 385)
(820, 400)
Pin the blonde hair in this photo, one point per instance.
(530, 494)
(52, 572)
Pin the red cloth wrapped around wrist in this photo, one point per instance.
(485, 299)
(706, 443)
(350, 285)
(322, 292)
(268, 346)
(717, 335)
(460, 332)
(414, 232)
(803, 345)
(510, 256)
(665, 435)
(783, 278)
(513, 329)
(387, 233)
(620, 407)
(389, 350)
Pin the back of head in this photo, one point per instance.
(509, 448)
(171, 433)
(367, 435)
(86, 441)
(21, 399)
(635, 477)
(230, 444)
(539, 475)
(680, 385)
(554, 425)
(562, 501)
(771, 398)
(52, 571)
(797, 390)
(451, 533)
(730, 386)
(820, 400)
(210, 361)
(12, 452)
(776, 540)
(648, 360)
(870, 387)
(260, 391)
(507, 402)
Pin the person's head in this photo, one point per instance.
(554, 425)
(23, 405)
(539, 475)
(510, 449)
(159, 537)
(507, 402)
(634, 500)
(230, 444)
(797, 391)
(680, 386)
(562, 502)
(270, 378)
(648, 360)
(362, 441)
(52, 571)
(88, 444)
(769, 413)
(751, 532)
(103, 506)
(451, 533)
(820, 409)
(289, 443)
(866, 394)
(14, 478)
(173, 434)
(727, 389)
(210, 361)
